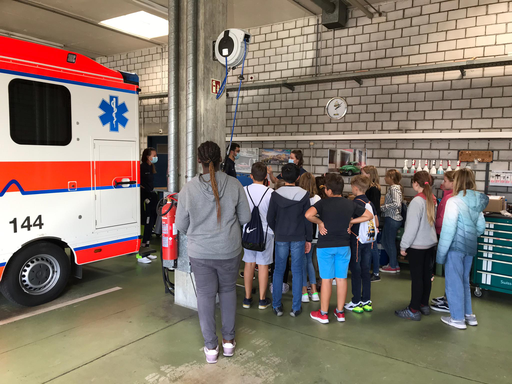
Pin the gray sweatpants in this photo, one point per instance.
(212, 277)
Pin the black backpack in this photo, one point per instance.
(253, 237)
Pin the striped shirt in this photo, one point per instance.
(393, 203)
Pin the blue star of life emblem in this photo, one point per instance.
(113, 113)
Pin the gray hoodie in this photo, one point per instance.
(418, 233)
(197, 217)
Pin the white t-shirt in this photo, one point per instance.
(315, 199)
(257, 191)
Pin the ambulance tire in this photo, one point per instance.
(11, 286)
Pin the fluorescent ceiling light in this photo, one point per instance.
(140, 23)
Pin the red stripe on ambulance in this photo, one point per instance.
(106, 251)
(70, 175)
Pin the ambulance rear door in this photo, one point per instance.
(115, 177)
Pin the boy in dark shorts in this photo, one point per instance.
(361, 251)
(333, 217)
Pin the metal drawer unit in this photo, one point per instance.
(492, 269)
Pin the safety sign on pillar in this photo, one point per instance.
(215, 86)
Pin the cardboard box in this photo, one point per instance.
(496, 204)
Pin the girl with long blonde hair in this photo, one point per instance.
(462, 224)
(373, 194)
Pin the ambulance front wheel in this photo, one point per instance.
(36, 274)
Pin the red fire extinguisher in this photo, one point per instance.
(169, 234)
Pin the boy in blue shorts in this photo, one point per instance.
(333, 217)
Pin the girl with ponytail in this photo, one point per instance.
(212, 208)
(419, 244)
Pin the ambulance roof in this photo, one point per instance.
(54, 64)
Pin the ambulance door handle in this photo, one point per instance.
(123, 183)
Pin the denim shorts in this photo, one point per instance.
(333, 262)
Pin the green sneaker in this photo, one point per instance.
(367, 307)
(354, 307)
(358, 309)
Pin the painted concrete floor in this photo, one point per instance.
(137, 335)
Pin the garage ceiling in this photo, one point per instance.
(55, 21)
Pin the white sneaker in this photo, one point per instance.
(315, 296)
(471, 320)
(211, 355)
(152, 257)
(228, 349)
(350, 306)
(305, 298)
(144, 260)
(454, 323)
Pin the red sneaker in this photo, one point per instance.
(340, 316)
(317, 315)
(388, 269)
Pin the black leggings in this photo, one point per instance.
(420, 264)
(149, 214)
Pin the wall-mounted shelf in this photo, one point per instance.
(412, 174)
(435, 177)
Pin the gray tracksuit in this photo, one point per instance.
(214, 247)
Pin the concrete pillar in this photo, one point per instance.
(211, 116)
(211, 112)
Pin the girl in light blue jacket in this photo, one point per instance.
(462, 224)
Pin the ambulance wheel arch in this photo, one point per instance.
(36, 274)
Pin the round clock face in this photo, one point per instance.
(336, 108)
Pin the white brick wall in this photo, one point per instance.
(411, 32)
(407, 33)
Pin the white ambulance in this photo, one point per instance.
(69, 168)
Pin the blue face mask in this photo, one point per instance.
(291, 161)
(237, 156)
(154, 159)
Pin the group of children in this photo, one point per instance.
(302, 206)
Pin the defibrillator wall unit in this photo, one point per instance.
(69, 167)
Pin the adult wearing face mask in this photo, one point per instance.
(234, 154)
(297, 158)
(148, 198)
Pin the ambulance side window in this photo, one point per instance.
(39, 113)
